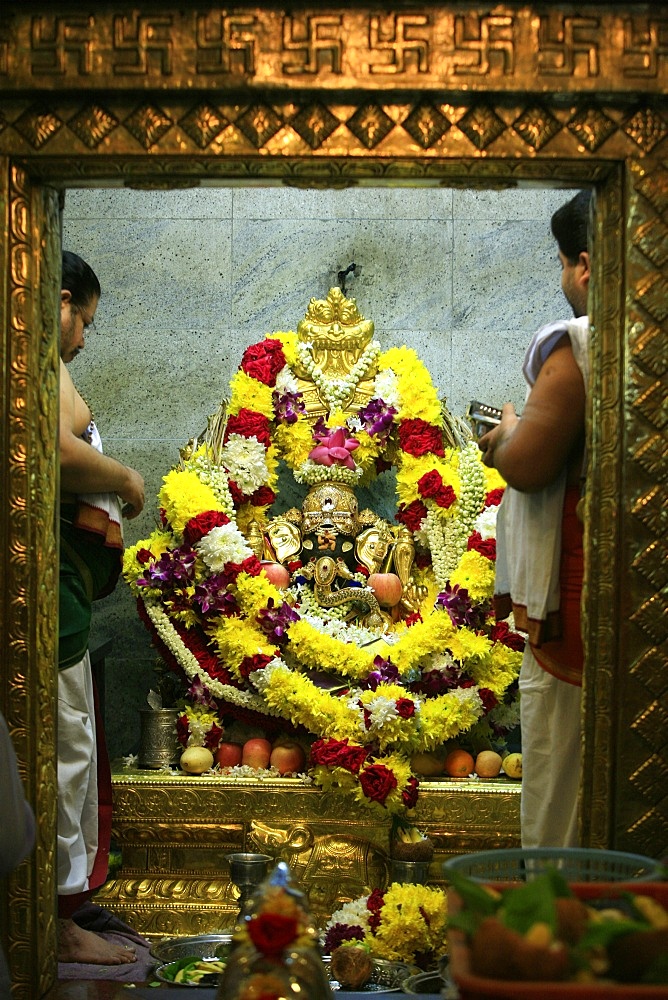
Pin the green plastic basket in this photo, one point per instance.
(575, 864)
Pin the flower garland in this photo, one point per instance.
(247, 648)
(406, 923)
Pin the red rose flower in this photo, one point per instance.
(423, 560)
(237, 496)
(374, 905)
(182, 729)
(213, 737)
(413, 619)
(494, 497)
(198, 527)
(409, 796)
(411, 515)
(485, 546)
(489, 699)
(144, 556)
(264, 361)
(417, 437)
(271, 932)
(249, 423)
(338, 753)
(432, 487)
(377, 781)
(250, 664)
(500, 632)
(405, 708)
(263, 497)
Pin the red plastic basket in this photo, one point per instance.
(473, 987)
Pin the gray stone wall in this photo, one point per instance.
(191, 278)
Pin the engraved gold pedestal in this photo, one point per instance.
(174, 830)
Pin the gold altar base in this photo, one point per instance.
(174, 830)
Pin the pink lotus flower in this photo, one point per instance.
(334, 449)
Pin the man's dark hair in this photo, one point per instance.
(570, 226)
(79, 279)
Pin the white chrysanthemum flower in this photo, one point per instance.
(386, 387)
(439, 661)
(486, 522)
(261, 679)
(353, 914)
(223, 544)
(285, 381)
(381, 709)
(246, 461)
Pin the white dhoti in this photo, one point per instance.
(551, 755)
(77, 779)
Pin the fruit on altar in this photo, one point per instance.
(287, 757)
(411, 845)
(276, 574)
(256, 753)
(196, 760)
(498, 952)
(512, 765)
(387, 587)
(351, 965)
(228, 754)
(427, 764)
(459, 763)
(488, 764)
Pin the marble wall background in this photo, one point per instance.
(191, 278)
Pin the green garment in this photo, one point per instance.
(88, 570)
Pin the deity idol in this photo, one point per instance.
(254, 606)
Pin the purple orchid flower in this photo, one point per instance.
(174, 568)
(385, 672)
(377, 417)
(456, 601)
(199, 694)
(275, 622)
(287, 406)
(212, 595)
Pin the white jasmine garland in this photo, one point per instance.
(223, 544)
(332, 390)
(245, 459)
(310, 472)
(190, 665)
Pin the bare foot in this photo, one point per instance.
(78, 945)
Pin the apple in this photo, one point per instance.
(387, 587)
(228, 754)
(276, 574)
(288, 758)
(256, 753)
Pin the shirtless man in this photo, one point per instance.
(91, 547)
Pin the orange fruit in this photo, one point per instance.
(459, 763)
(488, 764)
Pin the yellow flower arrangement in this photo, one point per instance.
(255, 648)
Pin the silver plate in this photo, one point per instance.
(386, 977)
(199, 946)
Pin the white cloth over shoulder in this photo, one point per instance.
(107, 503)
(528, 527)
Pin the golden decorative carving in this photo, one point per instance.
(431, 93)
(174, 830)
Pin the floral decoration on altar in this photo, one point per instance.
(405, 923)
(254, 633)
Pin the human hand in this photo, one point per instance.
(490, 441)
(132, 494)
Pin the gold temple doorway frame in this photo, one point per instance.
(167, 95)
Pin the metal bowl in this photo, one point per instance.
(199, 946)
(386, 977)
